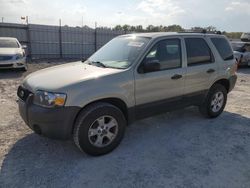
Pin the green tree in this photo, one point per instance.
(174, 28)
(126, 27)
(210, 28)
(139, 28)
(118, 27)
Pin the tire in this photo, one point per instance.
(25, 68)
(91, 118)
(212, 109)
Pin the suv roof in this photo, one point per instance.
(162, 34)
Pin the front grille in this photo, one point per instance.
(23, 93)
(5, 58)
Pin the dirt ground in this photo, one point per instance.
(176, 149)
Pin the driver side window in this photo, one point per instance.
(167, 53)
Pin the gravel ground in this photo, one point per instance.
(177, 149)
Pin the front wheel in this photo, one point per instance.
(215, 101)
(25, 67)
(99, 128)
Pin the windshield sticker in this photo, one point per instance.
(136, 44)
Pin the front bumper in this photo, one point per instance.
(50, 122)
(20, 63)
(232, 82)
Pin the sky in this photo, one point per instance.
(225, 15)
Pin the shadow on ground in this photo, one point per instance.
(178, 149)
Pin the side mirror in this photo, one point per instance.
(150, 66)
(24, 47)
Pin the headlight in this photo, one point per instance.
(49, 99)
(19, 56)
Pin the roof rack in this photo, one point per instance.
(204, 31)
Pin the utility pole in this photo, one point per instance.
(27, 20)
(2, 19)
(95, 36)
(60, 37)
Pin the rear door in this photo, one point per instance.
(201, 66)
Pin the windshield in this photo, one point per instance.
(8, 43)
(120, 52)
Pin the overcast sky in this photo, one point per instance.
(229, 15)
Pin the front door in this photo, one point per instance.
(158, 90)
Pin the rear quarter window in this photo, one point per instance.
(223, 47)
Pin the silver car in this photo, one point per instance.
(12, 54)
(242, 52)
(245, 37)
(132, 77)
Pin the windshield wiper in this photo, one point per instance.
(98, 63)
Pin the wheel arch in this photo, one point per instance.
(224, 82)
(119, 103)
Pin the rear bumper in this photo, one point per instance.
(232, 82)
(13, 63)
(50, 122)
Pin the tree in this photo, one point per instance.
(149, 28)
(234, 35)
(118, 27)
(139, 28)
(210, 28)
(197, 29)
(126, 27)
(174, 28)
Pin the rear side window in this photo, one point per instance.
(198, 52)
(223, 48)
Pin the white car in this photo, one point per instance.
(242, 52)
(12, 54)
(245, 37)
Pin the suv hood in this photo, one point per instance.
(57, 77)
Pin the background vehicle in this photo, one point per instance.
(245, 37)
(12, 54)
(132, 77)
(242, 52)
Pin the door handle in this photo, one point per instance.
(210, 70)
(176, 76)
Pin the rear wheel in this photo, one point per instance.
(215, 101)
(99, 128)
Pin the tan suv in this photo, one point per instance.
(132, 77)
